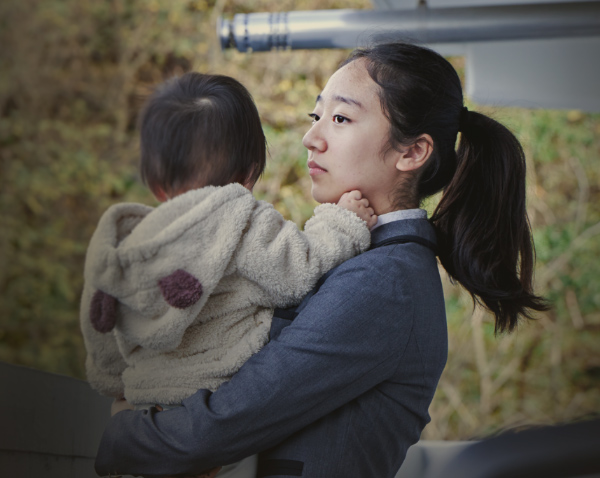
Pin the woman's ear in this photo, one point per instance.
(416, 154)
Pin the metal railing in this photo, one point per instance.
(352, 28)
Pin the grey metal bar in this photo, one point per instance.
(352, 28)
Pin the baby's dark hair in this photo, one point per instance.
(199, 130)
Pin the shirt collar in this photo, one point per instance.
(398, 215)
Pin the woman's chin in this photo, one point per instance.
(323, 197)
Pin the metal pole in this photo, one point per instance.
(352, 28)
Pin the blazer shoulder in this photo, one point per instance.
(390, 258)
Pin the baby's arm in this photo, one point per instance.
(353, 201)
(285, 262)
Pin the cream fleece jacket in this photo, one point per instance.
(184, 293)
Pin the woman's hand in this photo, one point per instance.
(119, 405)
(355, 202)
(206, 474)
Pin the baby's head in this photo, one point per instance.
(199, 130)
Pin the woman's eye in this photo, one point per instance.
(315, 117)
(339, 119)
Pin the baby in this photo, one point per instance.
(178, 297)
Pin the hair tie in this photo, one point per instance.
(463, 118)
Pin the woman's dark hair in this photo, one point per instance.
(483, 231)
(199, 130)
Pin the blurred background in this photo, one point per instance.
(74, 74)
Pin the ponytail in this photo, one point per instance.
(483, 231)
(482, 225)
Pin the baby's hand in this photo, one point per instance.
(118, 405)
(353, 201)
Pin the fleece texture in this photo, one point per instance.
(176, 298)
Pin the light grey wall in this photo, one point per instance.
(559, 73)
(407, 4)
(549, 73)
(428, 459)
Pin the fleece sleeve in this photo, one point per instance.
(287, 262)
(104, 363)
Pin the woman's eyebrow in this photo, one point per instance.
(342, 99)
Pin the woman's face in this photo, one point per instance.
(346, 141)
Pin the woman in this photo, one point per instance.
(343, 389)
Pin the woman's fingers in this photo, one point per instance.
(212, 473)
(205, 474)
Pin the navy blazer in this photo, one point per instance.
(342, 391)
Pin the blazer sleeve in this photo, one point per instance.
(286, 262)
(348, 339)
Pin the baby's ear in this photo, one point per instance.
(103, 312)
(159, 194)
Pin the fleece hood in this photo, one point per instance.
(134, 268)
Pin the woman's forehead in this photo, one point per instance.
(351, 84)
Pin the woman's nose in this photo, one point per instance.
(313, 139)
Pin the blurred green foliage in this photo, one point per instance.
(75, 74)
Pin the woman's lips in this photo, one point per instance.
(314, 169)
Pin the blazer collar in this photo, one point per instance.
(404, 227)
